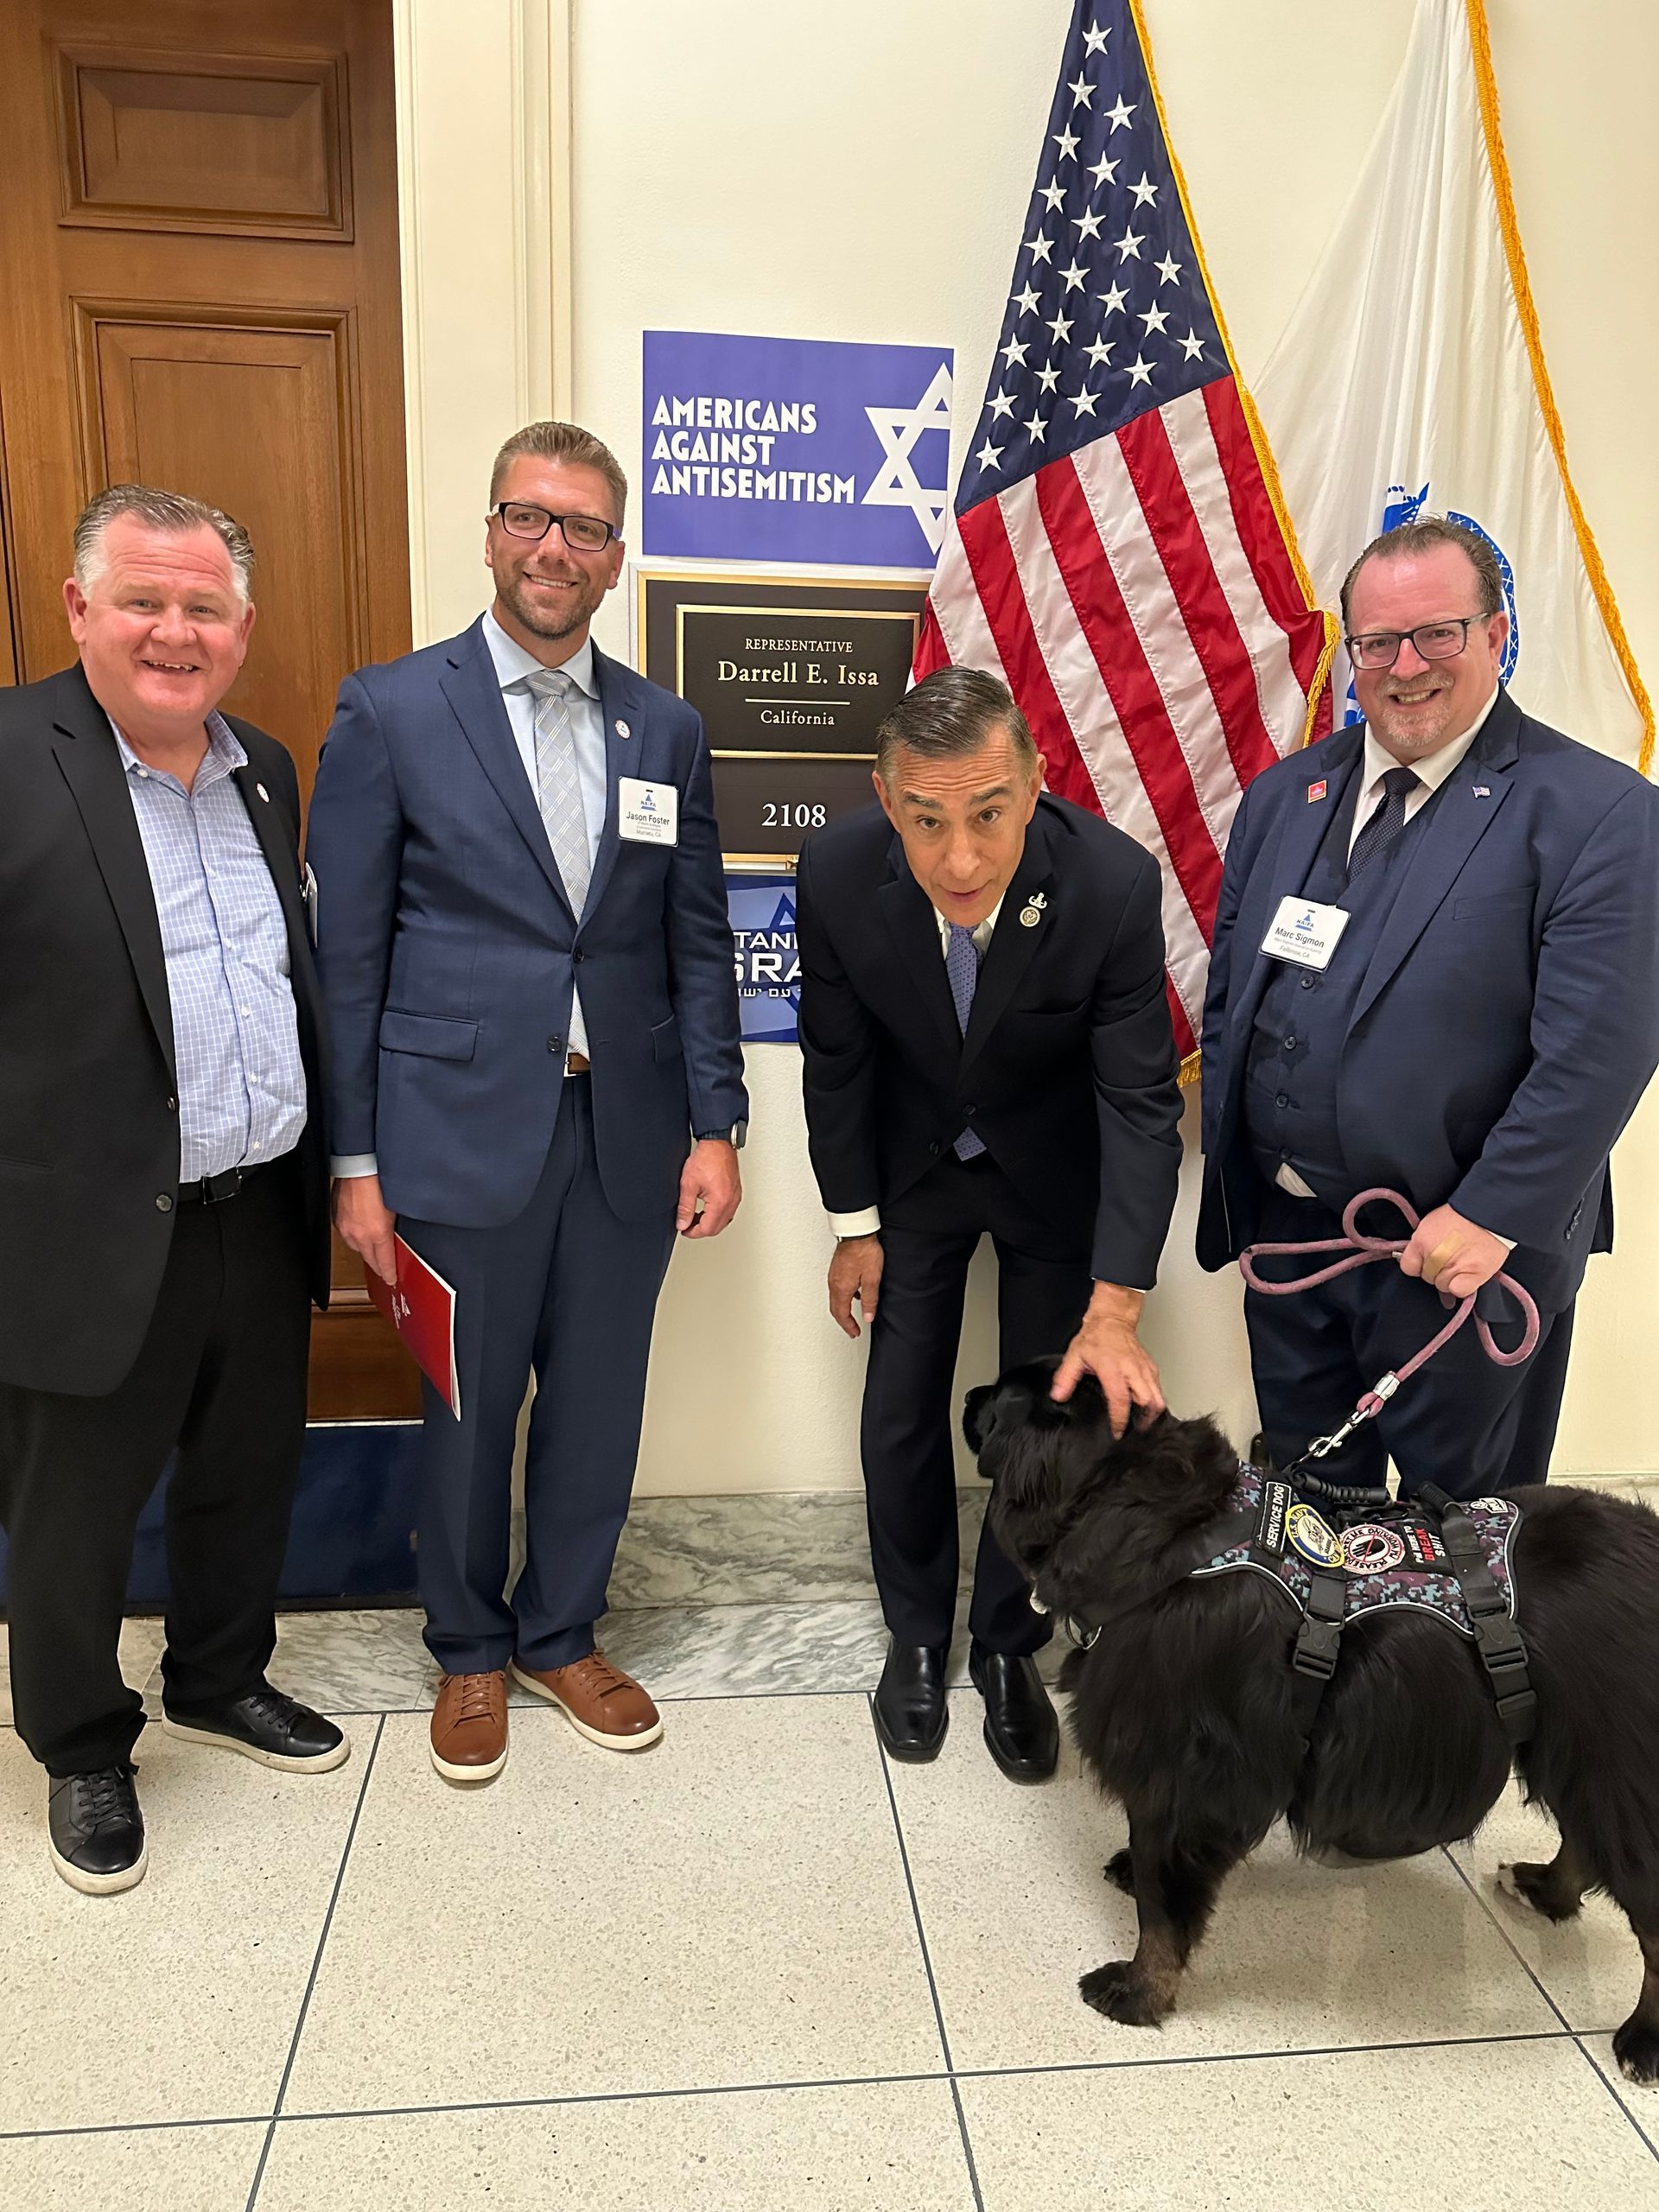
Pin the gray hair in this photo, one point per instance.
(1419, 537)
(568, 442)
(173, 511)
(955, 710)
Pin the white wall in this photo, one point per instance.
(779, 167)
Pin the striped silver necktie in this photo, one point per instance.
(558, 787)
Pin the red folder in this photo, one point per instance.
(421, 1306)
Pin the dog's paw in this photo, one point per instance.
(1119, 1870)
(1636, 2046)
(1122, 1995)
(1527, 1881)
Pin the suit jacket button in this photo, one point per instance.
(576, 959)
(554, 1043)
(172, 1105)
(933, 1150)
(971, 1110)
(163, 1204)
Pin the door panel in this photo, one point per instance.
(189, 406)
(199, 287)
(204, 141)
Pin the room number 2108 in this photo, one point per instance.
(778, 814)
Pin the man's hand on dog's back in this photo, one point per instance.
(1107, 1347)
(854, 1272)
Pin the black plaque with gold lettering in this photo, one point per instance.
(792, 679)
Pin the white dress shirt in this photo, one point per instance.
(512, 665)
(1431, 773)
(867, 1219)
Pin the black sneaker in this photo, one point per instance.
(266, 1726)
(97, 1831)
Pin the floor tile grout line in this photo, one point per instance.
(316, 1965)
(1643, 2135)
(1516, 1952)
(927, 1962)
(806, 2082)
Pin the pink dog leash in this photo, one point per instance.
(1362, 1251)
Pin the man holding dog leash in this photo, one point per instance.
(1436, 970)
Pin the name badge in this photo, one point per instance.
(647, 814)
(1305, 933)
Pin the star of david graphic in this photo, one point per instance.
(896, 483)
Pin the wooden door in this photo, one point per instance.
(198, 288)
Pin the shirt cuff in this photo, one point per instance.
(347, 1166)
(864, 1223)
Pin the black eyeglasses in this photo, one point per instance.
(587, 533)
(1434, 641)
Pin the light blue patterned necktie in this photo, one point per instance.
(962, 966)
(558, 786)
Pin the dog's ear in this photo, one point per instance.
(975, 1415)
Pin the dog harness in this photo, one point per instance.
(1451, 1559)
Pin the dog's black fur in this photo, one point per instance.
(1182, 1706)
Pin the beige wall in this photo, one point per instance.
(779, 167)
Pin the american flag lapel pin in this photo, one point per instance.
(1483, 791)
(1317, 790)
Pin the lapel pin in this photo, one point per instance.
(622, 729)
(262, 792)
(1483, 791)
(1317, 790)
(1031, 913)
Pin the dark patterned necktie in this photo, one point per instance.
(962, 966)
(1387, 823)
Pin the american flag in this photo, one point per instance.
(1117, 553)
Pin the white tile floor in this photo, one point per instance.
(760, 1968)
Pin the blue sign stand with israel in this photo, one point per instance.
(762, 911)
(795, 449)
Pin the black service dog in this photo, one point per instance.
(1182, 1705)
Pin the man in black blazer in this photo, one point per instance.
(987, 1050)
(164, 1216)
(1435, 971)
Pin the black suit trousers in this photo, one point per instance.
(221, 1375)
(928, 1238)
(1461, 1422)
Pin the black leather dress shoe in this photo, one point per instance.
(1022, 1732)
(267, 1727)
(911, 1714)
(97, 1830)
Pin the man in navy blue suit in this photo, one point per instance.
(525, 954)
(1436, 968)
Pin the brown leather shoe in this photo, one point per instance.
(469, 1727)
(599, 1701)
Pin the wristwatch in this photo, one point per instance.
(737, 1137)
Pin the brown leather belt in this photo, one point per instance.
(578, 1064)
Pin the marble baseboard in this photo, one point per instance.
(777, 1547)
(375, 1661)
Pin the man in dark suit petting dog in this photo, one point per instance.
(987, 1050)
(1435, 968)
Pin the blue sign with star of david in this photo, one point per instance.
(761, 910)
(795, 449)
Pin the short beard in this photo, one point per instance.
(1416, 738)
(537, 621)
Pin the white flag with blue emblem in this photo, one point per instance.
(1411, 379)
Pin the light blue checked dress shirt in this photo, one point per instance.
(235, 1034)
